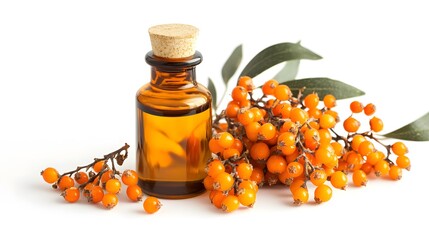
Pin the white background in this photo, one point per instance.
(69, 71)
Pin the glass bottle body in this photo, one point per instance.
(173, 129)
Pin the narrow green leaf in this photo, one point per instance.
(414, 131)
(288, 72)
(276, 54)
(212, 90)
(232, 63)
(324, 86)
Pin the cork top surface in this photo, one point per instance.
(173, 40)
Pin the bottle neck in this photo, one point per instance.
(173, 74)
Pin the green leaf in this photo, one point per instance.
(276, 54)
(324, 86)
(212, 90)
(288, 72)
(415, 131)
(232, 63)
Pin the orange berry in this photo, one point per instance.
(297, 115)
(208, 183)
(81, 177)
(244, 170)
(257, 175)
(214, 168)
(339, 180)
(106, 176)
(356, 107)
(214, 146)
(399, 148)
(318, 177)
(311, 100)
(282, 92)
(50, 175)
(330, 101)
(322, 193)
(359, 178)
(381, 168)
(259, 151)
(245, 117)
(65, 182)
(110, 200)
(403, 162)
(269, 86)
(223, 181)
(395, 172)
(295, 169)
(230, 203)
(71, 194)
(266, 131)
(351, 125)
(94, 194)
(366, 168)
(232, 109)
(376, 124)
(248, 184)
(247, 197)
(369, 109)
(286, 139)
(98, 166)
(374, 157)
(356, 141)
(327, 121)
(325, 136)
(246, 82)
(300, 196)
(288, 126)
(314, 113)
(151, 205)
(225, 139)
(252, 131)
(134, 193)
(258, 114)
(366, 147)
(129, 177)
(276, 164)
(113, 186)
(282, 109)
(239, 94)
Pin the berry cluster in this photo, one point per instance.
(100, 181)
(279, 138)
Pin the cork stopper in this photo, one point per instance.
(173, 40)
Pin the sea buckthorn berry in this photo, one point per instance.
(50, 175)
(325, 136)
(333, 114)
(257, 175)
(285, 178)
(65, 182)
(366, 147)
(214, 168)
(338, 148)
(322, 193)
(113, 186)
(297, 115)
(232, 109)
(217, 197)
(252, 131)
(395, 172)
(282, 92)
(399, 148)
(71, 194)
(214, 146)
(282, 110)
(244, 170)
(311, 138)
(81, 177)
(223, 181)
(246, 82)
(239, 94)
(300, 196)
(237, 145)
(248, 184)
(110, 200)
(295, 169)
(98, 166)
(356, 107)
(351, 125)
(151, 205)
(134, 193)
(288, 126)
(288, 150)
(314, 113)
(129, 177)
(260, 151)
(247, 197)
(356, 141)
(94, 194)
(324, 155)
(230, 153)
(311, 100)
(286, 139)
(318, 177)
(330, 101)
(339, 180)
(369, 109)
(266, 131)
(86, 189)
(269, 86)
(276, 164)
(225, 139)
(354, 160)
(403, 162)
(258, 114)
(327, 121)
(208, 183)
(376, 124)
(374, 157)
(381, 168)
(297, 183)
(106, 176)
(359, 178)
(366, 168)
(230, 203)
(245, 116)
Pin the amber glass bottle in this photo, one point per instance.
(173, 117)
